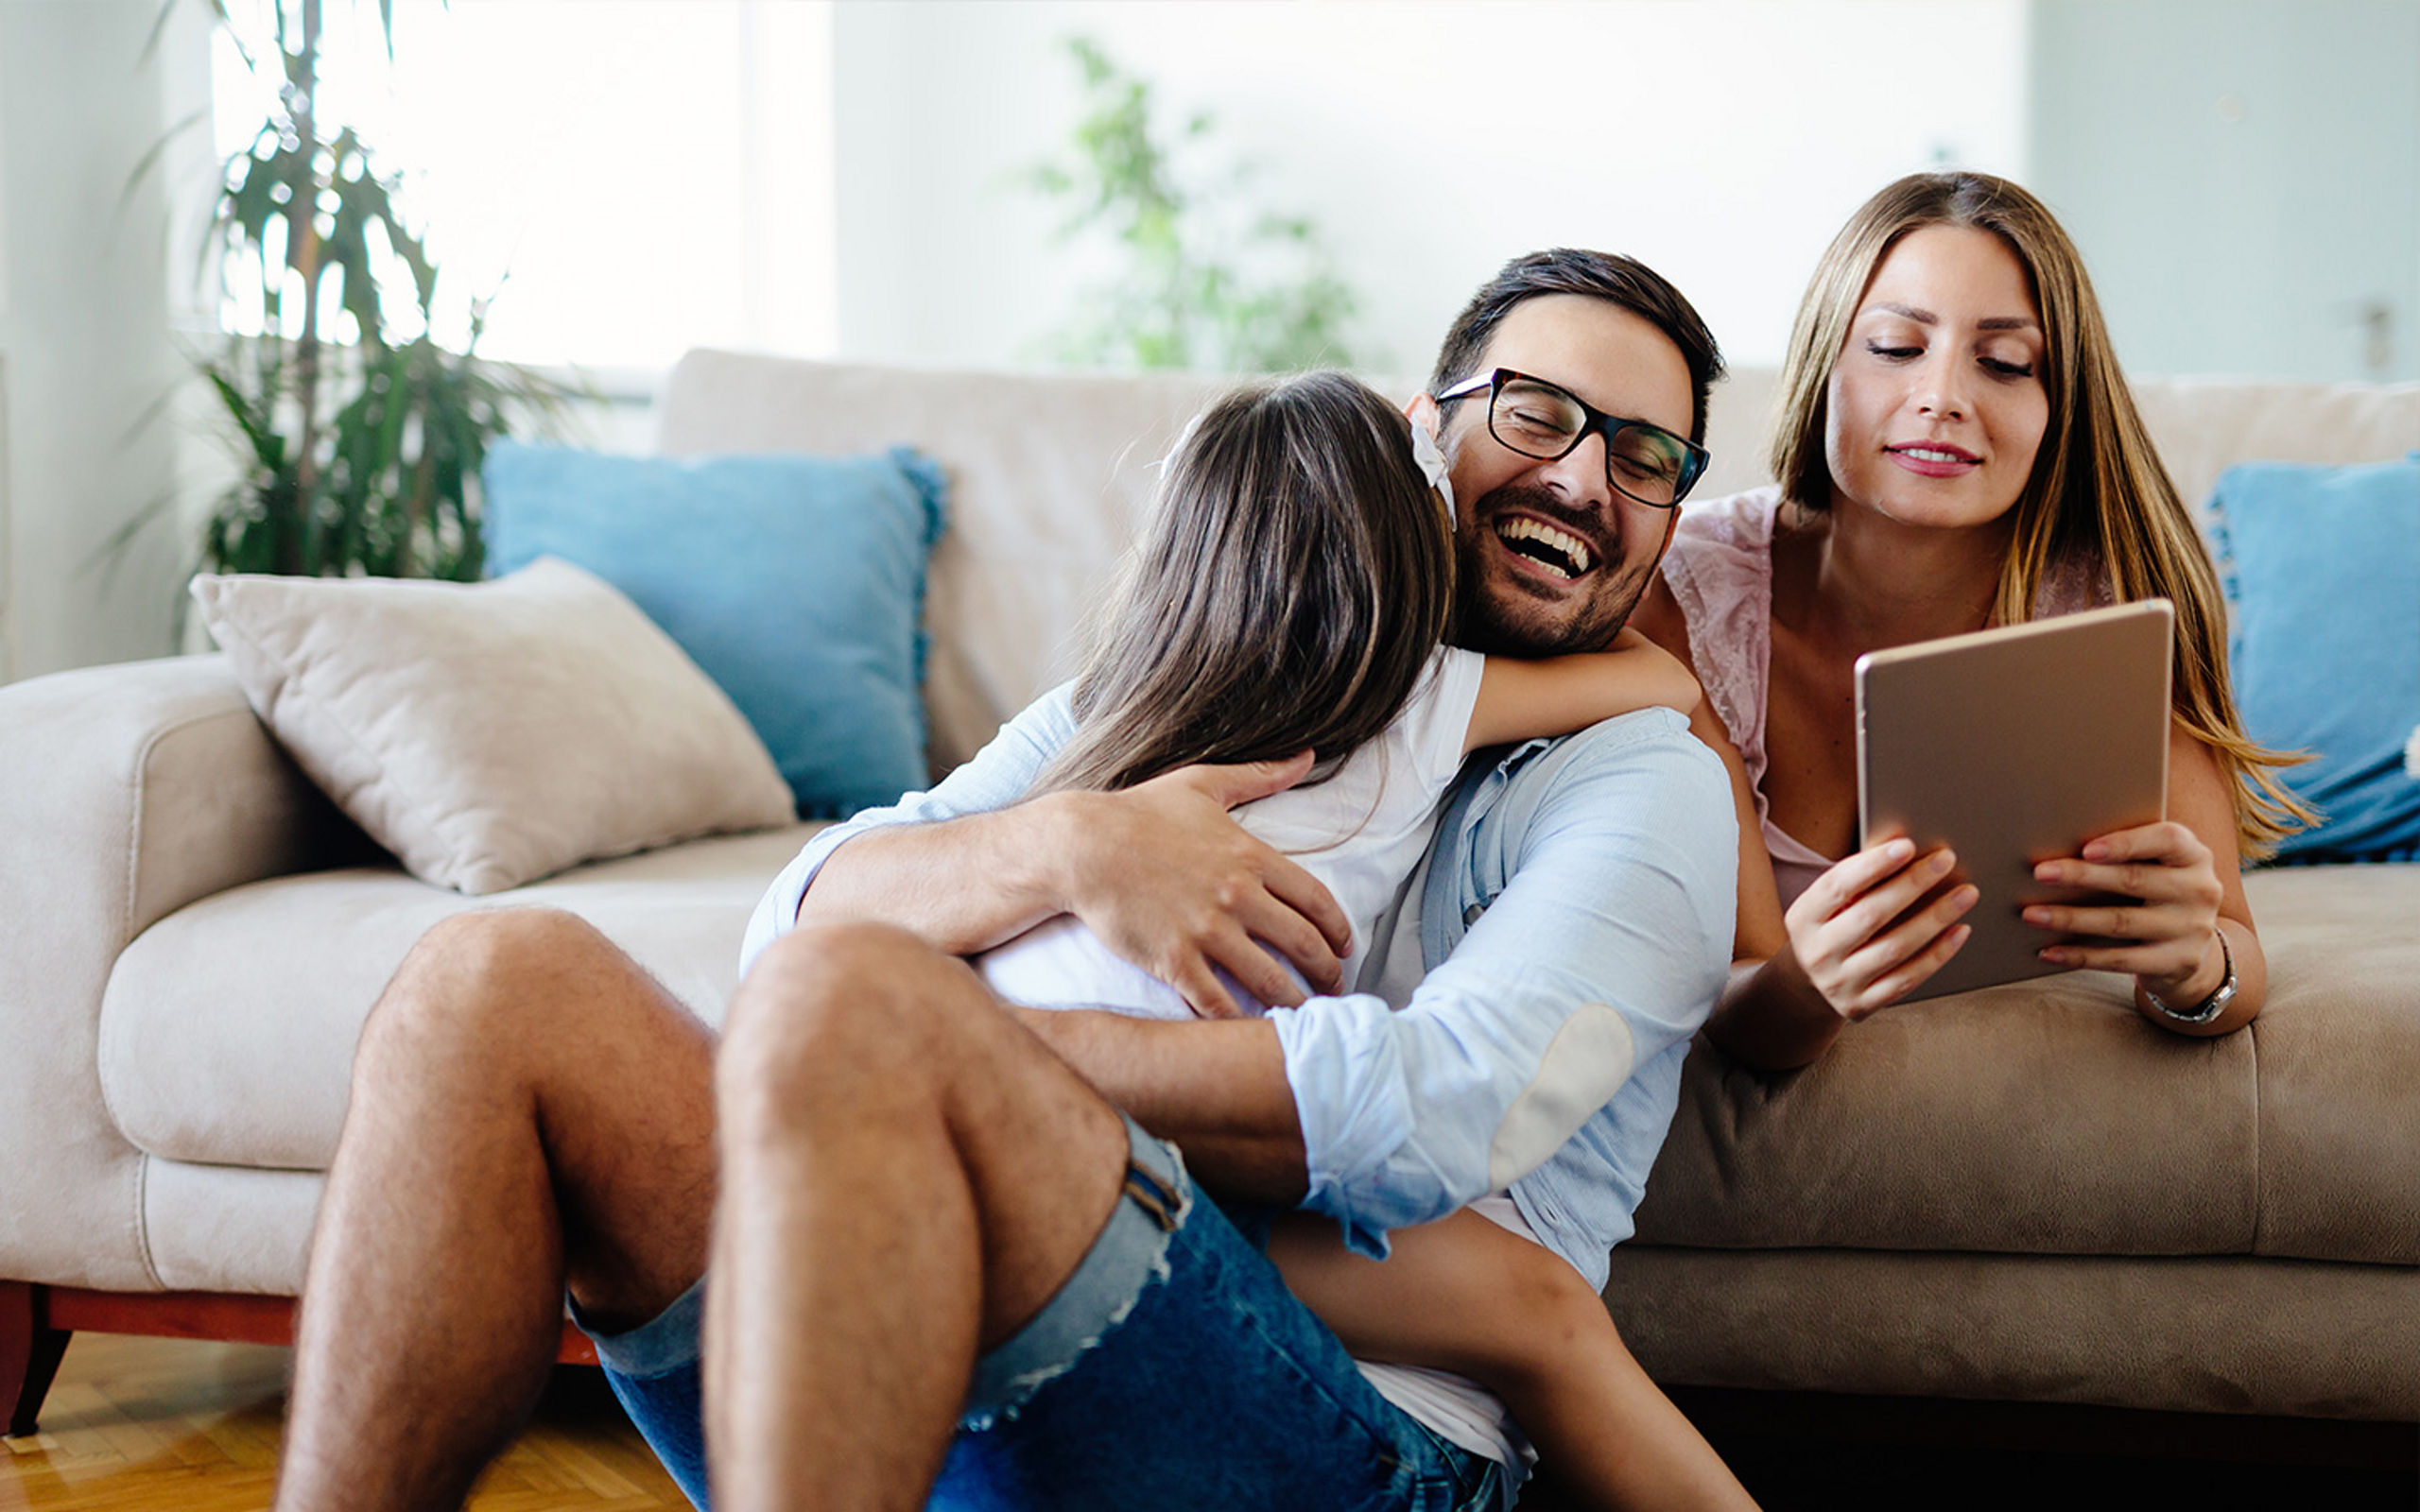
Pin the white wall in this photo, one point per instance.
(1722, 141)
(85, 345)
(2244, 178)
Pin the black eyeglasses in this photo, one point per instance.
(1537, 419)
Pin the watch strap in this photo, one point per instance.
(2209, 1007)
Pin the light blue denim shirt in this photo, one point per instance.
(1576, 920)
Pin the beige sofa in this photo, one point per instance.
(2020, 1194)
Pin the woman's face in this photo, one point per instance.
(1936, 406)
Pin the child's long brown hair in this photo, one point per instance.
(2098, 486)
(1294, 578)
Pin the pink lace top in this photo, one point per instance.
(1720, 571)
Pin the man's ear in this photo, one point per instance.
(1422, 412)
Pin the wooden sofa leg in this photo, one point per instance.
(30, 1350)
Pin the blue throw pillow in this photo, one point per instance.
(2324, 574)
(796, 582)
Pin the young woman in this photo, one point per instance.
(1293, 593)
(1956, 448)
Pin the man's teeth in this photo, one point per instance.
(1563, 543)
(1932, 453)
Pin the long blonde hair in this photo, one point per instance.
(2098, 490)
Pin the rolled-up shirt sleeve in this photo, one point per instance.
(1606, 946)
(993, 778)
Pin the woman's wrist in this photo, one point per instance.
(2211, 971)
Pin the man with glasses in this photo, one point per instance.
(953, 1254)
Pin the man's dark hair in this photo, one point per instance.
(1622, 280)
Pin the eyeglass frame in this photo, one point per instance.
(1597, 422)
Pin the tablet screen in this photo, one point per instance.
(2014, 745)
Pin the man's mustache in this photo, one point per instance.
(1588, 525)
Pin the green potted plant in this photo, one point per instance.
(1210, 292)
(358, 437)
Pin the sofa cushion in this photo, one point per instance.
(491, 733)
(2202, 1334)
(227, 1030)
(2048, 1117)
(2323, 574)
(2339, 1047)
(1048, 475)
(796, 582)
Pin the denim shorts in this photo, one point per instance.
(1172, 1370)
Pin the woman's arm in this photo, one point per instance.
(1758, 932)
(2188, 879)
(1797, 980)
(1769, 1016)
(1520, 698)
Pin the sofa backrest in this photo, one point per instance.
(1050, 473)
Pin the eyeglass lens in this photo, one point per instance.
(1542, 421)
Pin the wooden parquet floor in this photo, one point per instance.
(169, 1425)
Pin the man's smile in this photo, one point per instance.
(1546, 548)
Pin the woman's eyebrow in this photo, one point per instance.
(1924, 317)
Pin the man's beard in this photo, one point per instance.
(1496, 624)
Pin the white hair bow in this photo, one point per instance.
(1425, 451)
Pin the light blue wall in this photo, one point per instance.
(2244, 177)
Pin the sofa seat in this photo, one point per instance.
(227, 1028)
(1984, 1123)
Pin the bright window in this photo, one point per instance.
(627, 179)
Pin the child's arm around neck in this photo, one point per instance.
(1521, 699)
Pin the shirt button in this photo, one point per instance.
(1470, 915)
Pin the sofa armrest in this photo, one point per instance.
(126, 792)
(135, 789)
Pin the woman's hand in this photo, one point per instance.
(2168, 939)
(1840, 927)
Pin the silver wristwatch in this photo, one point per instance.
(2209, 1007)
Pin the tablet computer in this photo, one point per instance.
(2012, 747)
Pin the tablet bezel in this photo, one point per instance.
(1972, 742)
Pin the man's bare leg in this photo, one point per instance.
(530, 1110)
(908, 1177)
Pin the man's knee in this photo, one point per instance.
(836, 1013)
(475, 980)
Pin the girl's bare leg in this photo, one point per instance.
(1467, 1296)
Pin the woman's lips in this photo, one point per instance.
(1931, 462)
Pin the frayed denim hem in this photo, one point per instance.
(1130, 1255)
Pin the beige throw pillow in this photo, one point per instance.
(491, 733)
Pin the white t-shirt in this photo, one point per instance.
(1361, 832)
(1456, 1408)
